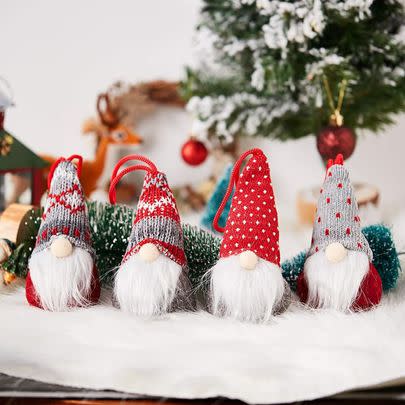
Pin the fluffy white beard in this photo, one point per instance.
(61, 283)
(335, 285)
(247, 295)
(146, 289)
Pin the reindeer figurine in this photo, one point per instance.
(110, 132)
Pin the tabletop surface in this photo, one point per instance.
(15, 391)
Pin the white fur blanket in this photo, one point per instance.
(301, 355)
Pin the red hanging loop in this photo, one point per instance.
(79, 163)
(232, 182)
(125, 159)
(62, 159)
(116, 177)
(339, 159)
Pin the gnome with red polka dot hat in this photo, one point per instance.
(338, 272)
(246, 283)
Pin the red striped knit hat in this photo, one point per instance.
(157, 219)
(65, 211)
(252, 223)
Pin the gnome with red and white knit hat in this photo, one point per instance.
(246, 283)
(152, 278)
(62, 273)
(338, 271)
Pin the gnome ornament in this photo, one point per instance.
(246, 283)
(153, 276)
(62, 273)
(338, 271)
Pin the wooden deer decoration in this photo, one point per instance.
(110, 132)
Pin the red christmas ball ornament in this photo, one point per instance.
(335, 139)
(194, 152)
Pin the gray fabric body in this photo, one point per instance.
(337, 218)
(65, 211)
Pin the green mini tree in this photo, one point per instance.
(265, 64)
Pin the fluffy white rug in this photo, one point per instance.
(300, 355)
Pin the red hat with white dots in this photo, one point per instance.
(337, 218)
(252, 222)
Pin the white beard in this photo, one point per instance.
(335, 285)
(147, 289)
(246, 295)
(61, 283)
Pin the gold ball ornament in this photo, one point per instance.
(149, 252)
(61, 247)
(335, 252)
(8, 278)
(248, 260)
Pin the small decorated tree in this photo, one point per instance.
(288, 69)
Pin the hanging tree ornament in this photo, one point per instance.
(194, 152)
(335, 138)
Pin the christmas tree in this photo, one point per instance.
(215, 201)
(268, 66)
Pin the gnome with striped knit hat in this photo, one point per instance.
(152, 278)
(246, 283)
(62, 273)
(338, 272)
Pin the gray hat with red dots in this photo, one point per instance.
(65, 212)
(337, 217)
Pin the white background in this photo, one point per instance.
(58, 55)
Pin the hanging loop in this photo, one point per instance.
(232, 182)
(149, 167)
(62, 159)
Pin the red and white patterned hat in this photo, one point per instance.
(253, 222)
(65, 211)
(157, 219)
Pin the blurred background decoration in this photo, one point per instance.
(289, 77)
(286, 70)
(22, 167)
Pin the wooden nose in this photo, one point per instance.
(248, 260)
(61, 247)
(149, 252)
(335, 252)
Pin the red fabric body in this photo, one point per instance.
(370, 291)
(252, 222)
(33, 299)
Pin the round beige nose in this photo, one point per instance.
(335, 252)
(61, 247)
(149, 252)
(248, 260)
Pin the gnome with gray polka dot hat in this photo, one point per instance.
(246, 283)
(338, 272)
(62, 273)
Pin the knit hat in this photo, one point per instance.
(252, 223)
(65, 210)
(337, 217)
(157, 219)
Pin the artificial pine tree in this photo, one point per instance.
(267, 66)
(202, 251)
(215, 201)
